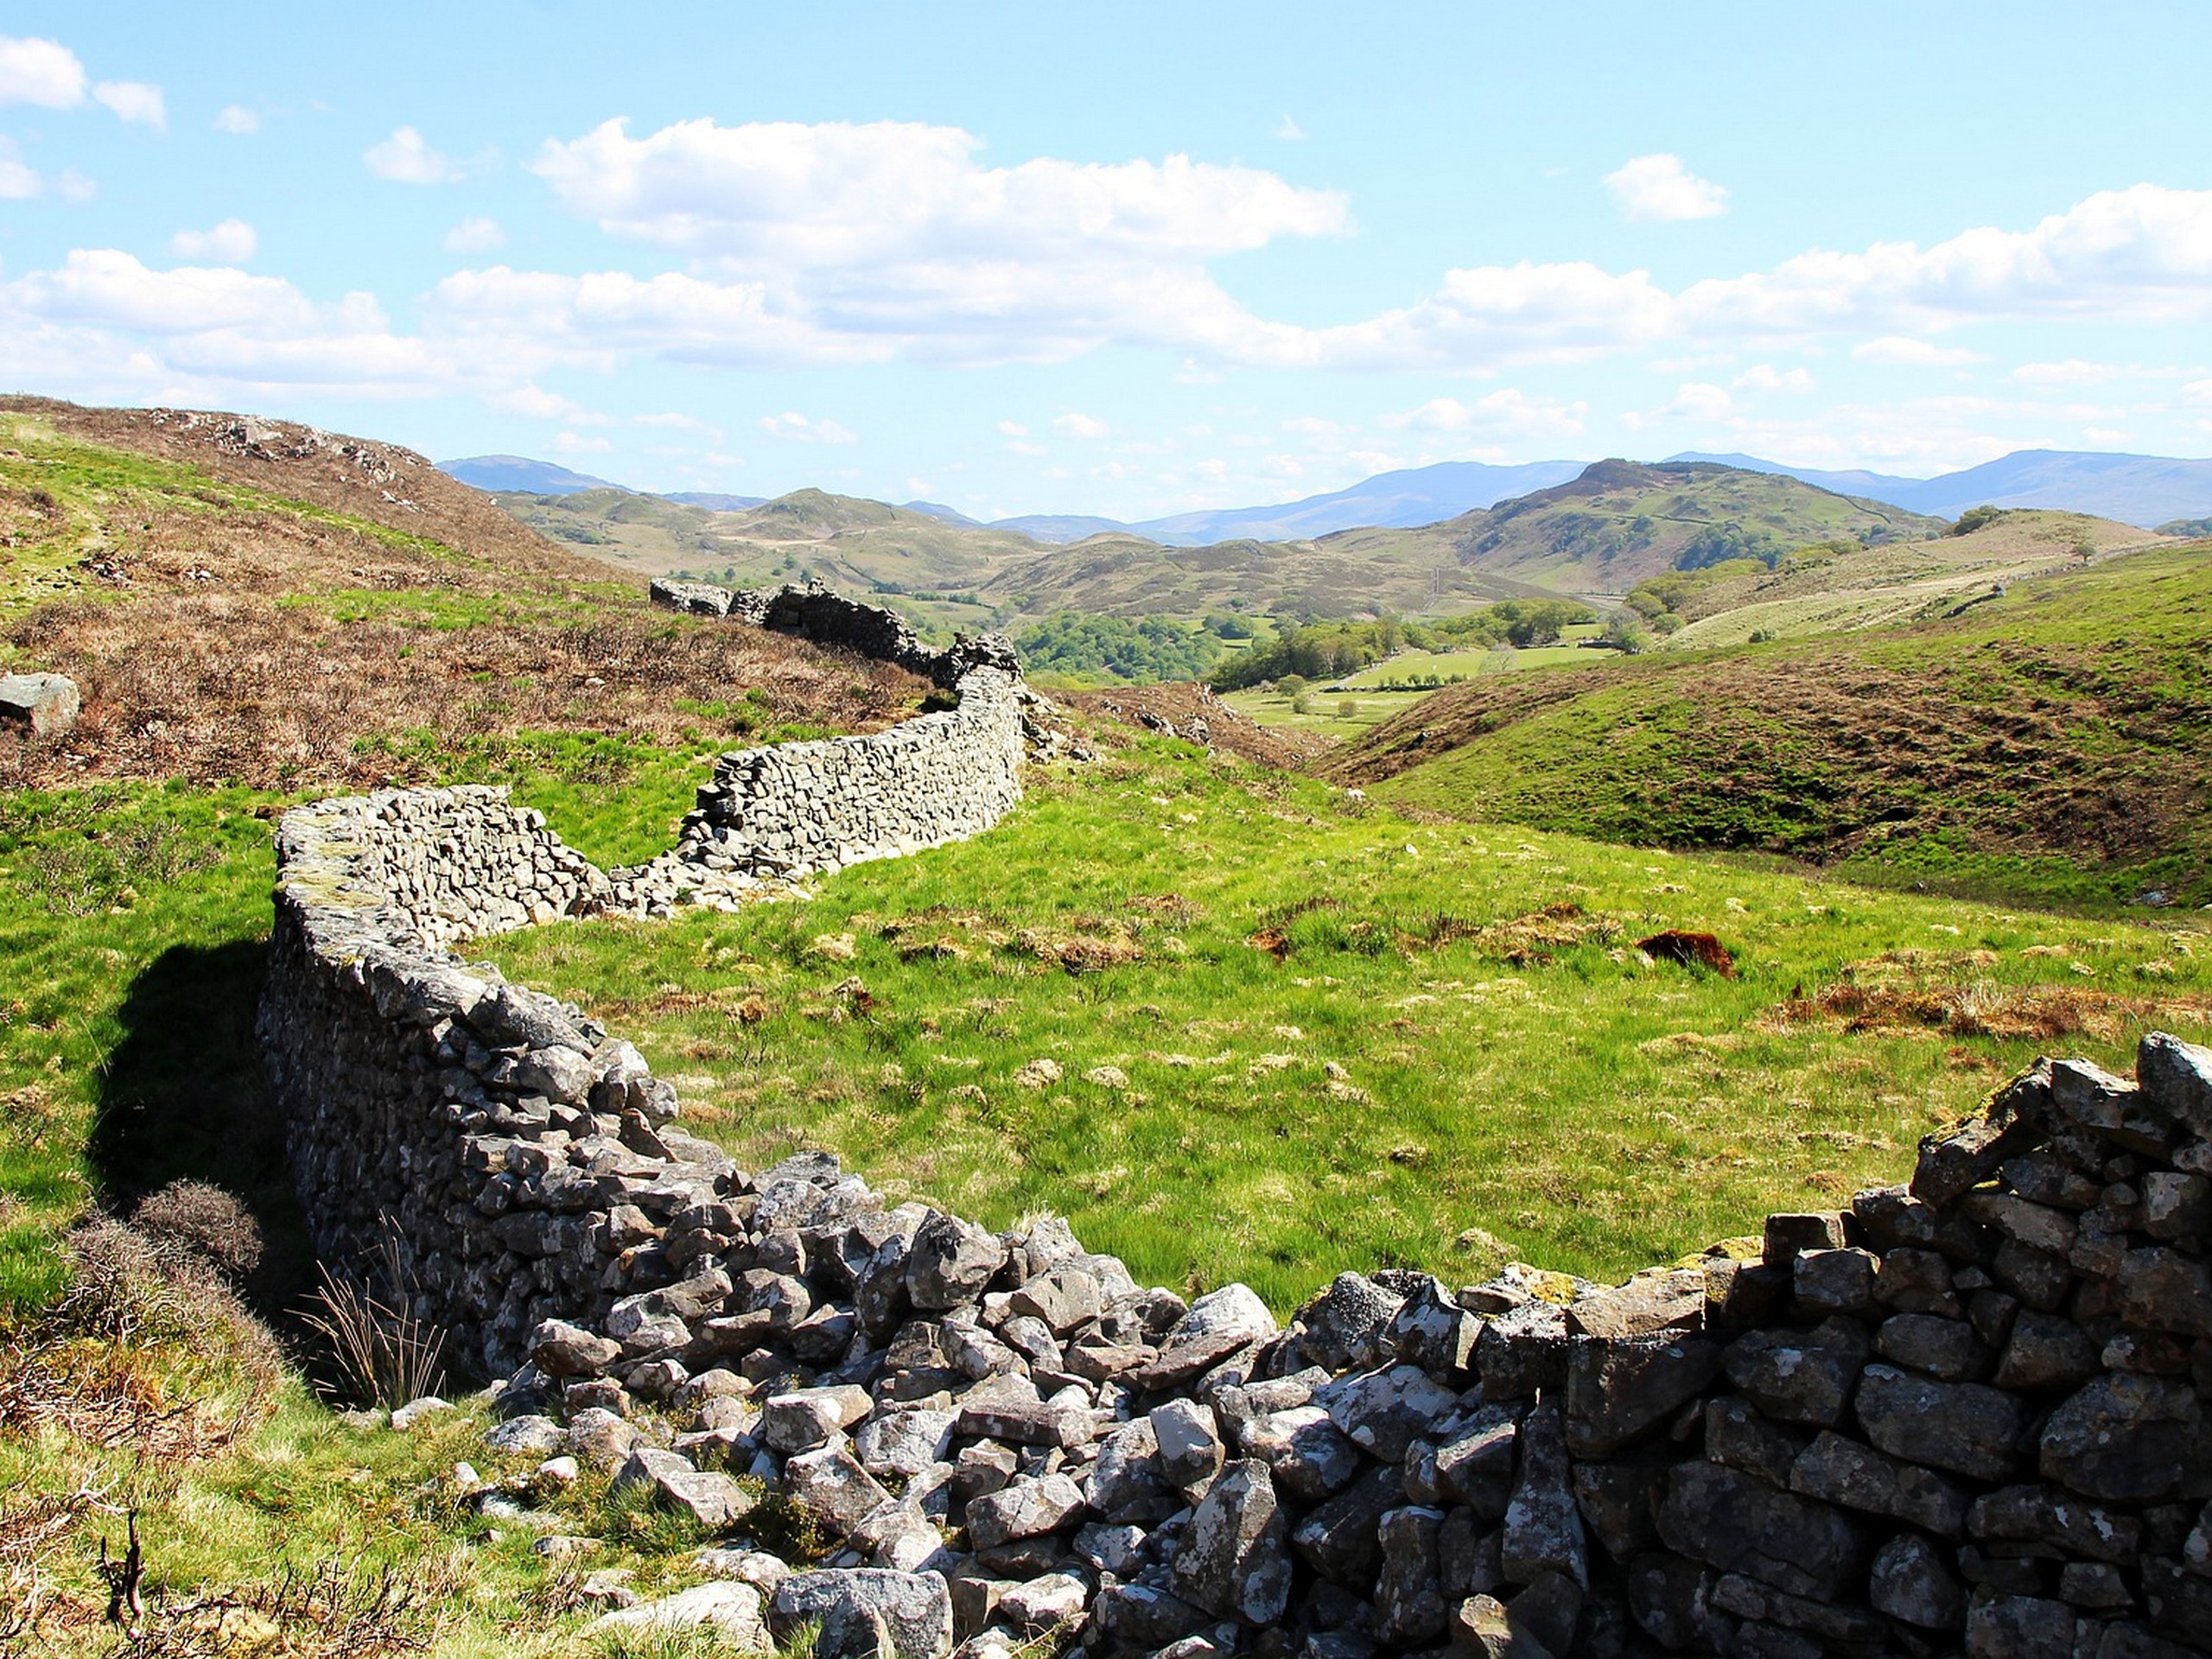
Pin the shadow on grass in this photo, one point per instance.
(184, 1097)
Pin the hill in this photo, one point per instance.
(1614, 525)
(1231, 1022)
(2142, 490)
(1835, 587)
(2050, 742)
(951, 574)
(1419, 495)
(1057, 529)
(495, 473)
(1620, 522)
(258, 604)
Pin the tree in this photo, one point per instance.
(1974, 518)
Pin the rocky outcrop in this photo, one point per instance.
(1962, 1414)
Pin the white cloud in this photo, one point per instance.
(574, 443)
(2074, 372)
(1904, 351)
(2138, 255)
(2197, 392)
(891, 233)
(407, 158)
(1013, 429)
(44, 72)
(1696, 402)
(231, 243)
(1765, 377)
(236, 119)
(1659, 187)
(19, 180)
(804, 429)
(535, 402)
(1072, 425)
(1509, 413)
(135, 102)
(1288, 130)
(475, 234)
(74, 186)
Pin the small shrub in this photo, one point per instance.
(197, 1217)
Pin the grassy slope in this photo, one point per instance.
(1593, 1111)
(2051, 742)
(1897, 582)
(1622, 522)
(227, 626)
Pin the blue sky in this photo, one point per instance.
(1130, 259)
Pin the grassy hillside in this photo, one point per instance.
(1338, 576)
(2051, 742)
(263, 617)
(1622, 521)
(1837, 587)
(1290, 1030)
(952, 575)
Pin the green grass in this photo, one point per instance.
(302, 1488)
(1594, 1112)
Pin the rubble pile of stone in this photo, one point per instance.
(1963, 1416)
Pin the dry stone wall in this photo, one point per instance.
(1961, 1415)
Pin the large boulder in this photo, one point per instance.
(852, 1608)
(46, 704)
(1233, 1560)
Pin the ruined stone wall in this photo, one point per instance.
(1965, 1415)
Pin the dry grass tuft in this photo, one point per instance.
(327, 1612)
(1981, 1008)
(385, 1355)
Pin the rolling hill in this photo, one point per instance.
(255, 603)
(2051, 742)
(1837, 589)
(1612, 526)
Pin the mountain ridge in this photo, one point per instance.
(2142, 490)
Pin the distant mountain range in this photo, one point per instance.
(520, 473)
(2145, 490)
